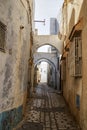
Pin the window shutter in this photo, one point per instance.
(2, 36)
(76, 56)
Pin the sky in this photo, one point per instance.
(43, 48)
(46, 9)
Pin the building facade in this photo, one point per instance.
(15, 38)
(54, 26)
(74, 61)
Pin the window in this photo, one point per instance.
(77, 101)
(2, 36)
(58, 65)
(76, 56)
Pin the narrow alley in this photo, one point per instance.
(47, 110)
(43, 61)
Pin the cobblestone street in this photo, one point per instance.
(47, 110)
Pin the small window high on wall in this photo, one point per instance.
(2, 36)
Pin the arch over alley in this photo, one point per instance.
(52, 79)
(47, 56)
(52, 40)
(53, 61)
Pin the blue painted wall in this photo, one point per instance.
(9, 119)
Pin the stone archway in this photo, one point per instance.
(48, 56)
(54, 75)
(52, 40)
(53, 60)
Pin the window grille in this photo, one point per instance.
(2, 36)
(72, 58)
(76, 56)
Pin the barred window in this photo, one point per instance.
(76, 56)
(2, 36)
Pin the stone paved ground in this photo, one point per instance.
(46, 110)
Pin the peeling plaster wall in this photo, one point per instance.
(14, 61)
